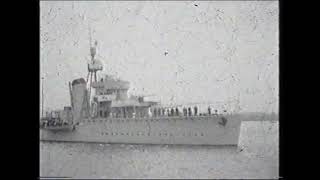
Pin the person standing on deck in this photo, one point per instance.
(185, 111)
(154, 112)
(177, 111)
(172, 112)
(195, 110)
(189, 111)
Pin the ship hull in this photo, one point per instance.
(197, 130)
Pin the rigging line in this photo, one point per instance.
(90, 39)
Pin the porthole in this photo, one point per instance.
(171, 134)
(148, 134)
(137, 134)
(159, 134)
(116, 134)
(106, 133)
(202, 134)
(122, 134)
(127, 134)
(112, 134)
(102, 133)
(195, 134)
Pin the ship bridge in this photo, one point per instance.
(112, 99)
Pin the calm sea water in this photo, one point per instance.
(255, 157)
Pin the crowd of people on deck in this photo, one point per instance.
(186, 111)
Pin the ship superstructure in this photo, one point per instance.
(111, 100)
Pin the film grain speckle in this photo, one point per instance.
(159, 89)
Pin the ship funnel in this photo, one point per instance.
(79, 99)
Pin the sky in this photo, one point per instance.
(224, 53)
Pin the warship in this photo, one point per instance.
(101, 111)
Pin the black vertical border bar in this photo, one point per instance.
(37, 92)
(282, 95)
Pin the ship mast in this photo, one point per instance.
(93, 66)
